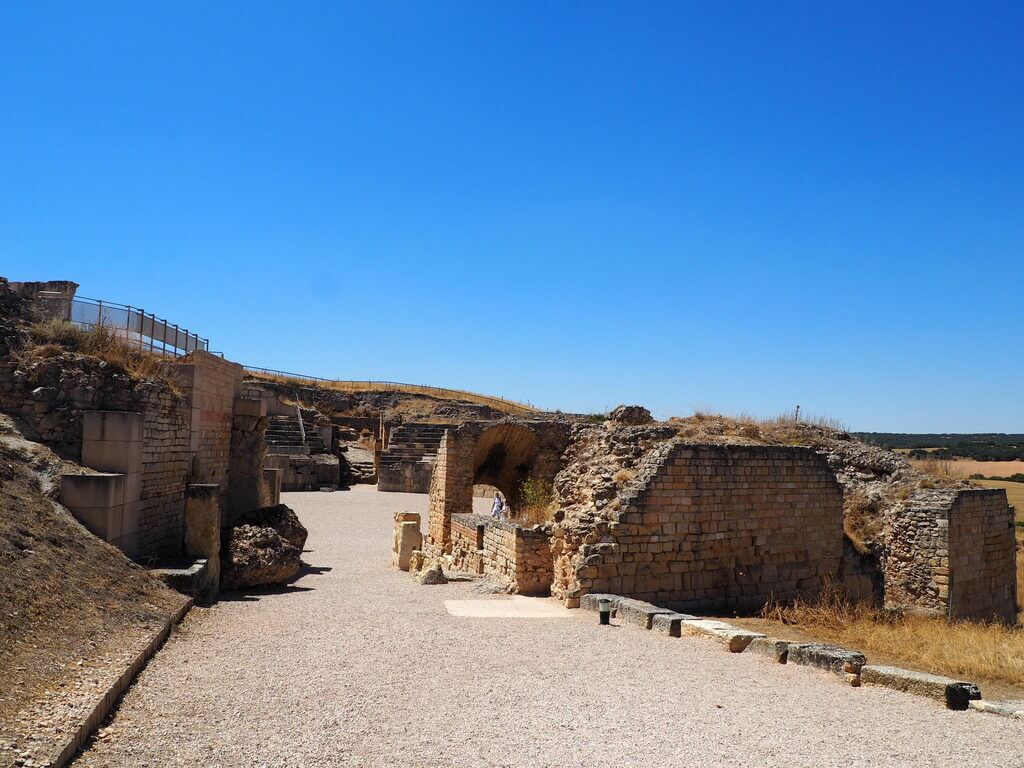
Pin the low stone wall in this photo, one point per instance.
(301, 472)
(713, 527)
(952, 553)
(521, 557)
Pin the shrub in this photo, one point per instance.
(537, 502)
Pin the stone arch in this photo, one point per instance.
(504, 456)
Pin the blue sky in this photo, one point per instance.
(736, 206)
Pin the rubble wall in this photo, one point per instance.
(952, 553)
(713, 527)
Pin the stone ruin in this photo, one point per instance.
(172, 461)
(717, 525)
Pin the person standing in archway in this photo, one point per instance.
(498, 506)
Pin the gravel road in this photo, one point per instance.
(360, 666)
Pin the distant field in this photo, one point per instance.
(967, 467)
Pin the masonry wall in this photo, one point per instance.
(718, 527)
(520, 557)
(213, 385)
(166, 463)
(952, 553)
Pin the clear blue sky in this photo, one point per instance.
(738, 206)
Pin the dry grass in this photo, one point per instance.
(964, 468)
(785, 429)
(862, 521)
(623, 476)
(963, 649)
(55, 337)
(500, 404)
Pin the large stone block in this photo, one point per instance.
(408, 539)
(831, 658)
(734, 638)
(955, 694)
(637, 612)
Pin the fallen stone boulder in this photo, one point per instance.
(433, 575)
(255, 556)
(956, 694)
(281, 518)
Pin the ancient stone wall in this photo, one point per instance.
(952, 553)
(212, 384)
(499, 453)
(714, 527)
(521, 557)
(248, 456)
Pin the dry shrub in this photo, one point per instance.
(862, 521)
(623, 476)
(786, 429)
(962, 649)
(939, 468)
(537, 504)
(53, 337)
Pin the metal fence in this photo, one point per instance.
(370, 385)
(136, 326)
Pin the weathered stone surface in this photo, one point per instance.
(735, 639)
(408, 539)
(669, 623)
(637, 612)
(255, 557)
(831, 658)
(774, 649)
(433, 575)
(416, 561)
(592, 602)
(1004, 708)
(407, 517)
(282, 519)
(631, 415)
(956, 694)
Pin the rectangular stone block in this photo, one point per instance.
(638, 612)
(246, 407)
(776, 650)
(669, 623)
(831, 658)
(955, 694)
(119, 426)
(592, 601)
(734, 638)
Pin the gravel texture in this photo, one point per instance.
(360, 666)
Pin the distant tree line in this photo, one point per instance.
(981, 447)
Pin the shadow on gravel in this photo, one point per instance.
(252, 595)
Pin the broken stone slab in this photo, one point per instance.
(669, 623)
(637, 612)
(1004, 708)
(735, 639)
(830, 658)
(956, 694)
(775, 649)
(592, 602)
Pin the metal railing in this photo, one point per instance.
(137, 327)
(370, 385)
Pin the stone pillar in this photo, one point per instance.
(202, 531)
(112, 442)
(272, 478)
(408, 538)
(248, 451)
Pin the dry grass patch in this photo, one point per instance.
(537, 504)
(55, 337)
(964, 649)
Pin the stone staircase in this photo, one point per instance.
(407, 464)
(284, 436)
(360, 464)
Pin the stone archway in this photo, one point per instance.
(504, 457)
(501, 454)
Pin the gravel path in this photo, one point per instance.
(360, 666)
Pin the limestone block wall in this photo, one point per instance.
(213, 384)
(521, 557)
(952, 553)
(714, 527)
(248, 453)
